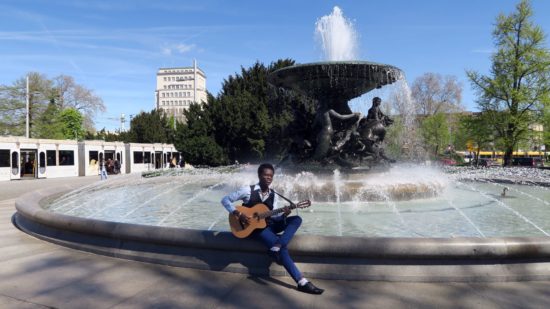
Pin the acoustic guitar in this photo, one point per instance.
(258, 214)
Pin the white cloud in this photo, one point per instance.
(178, 48)
(183, 48)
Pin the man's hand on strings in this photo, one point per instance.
(243, 218)
(286, 210)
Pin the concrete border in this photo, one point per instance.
(326, 257)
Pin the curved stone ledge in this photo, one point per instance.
(355, 258)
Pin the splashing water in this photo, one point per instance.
(337, 36)
(337, 189)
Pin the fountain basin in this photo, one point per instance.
(327, 257)
(343, 80)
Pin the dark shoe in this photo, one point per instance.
(310, 288)
(275, 256)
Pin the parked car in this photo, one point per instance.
(487, 162)
(527, 161)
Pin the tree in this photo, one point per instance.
(72, 124)
(434, 94)
(546, 127)
(14, 102)
(249, 120)
(49, 124)
(12, 111)
(152, 127)
(71, 94)
(61, 91)
(518, 86)
(435, 132)
(107, 136)
(196, 138)
(477, 132)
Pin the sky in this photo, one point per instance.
(116, 47)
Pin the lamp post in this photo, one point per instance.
(28, 103)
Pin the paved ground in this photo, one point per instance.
(37, 274)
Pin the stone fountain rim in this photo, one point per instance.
(323, 257)
(29, 207)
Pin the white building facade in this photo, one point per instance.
(178, 87)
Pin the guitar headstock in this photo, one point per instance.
(303, 204)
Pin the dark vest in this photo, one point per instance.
(256, 199)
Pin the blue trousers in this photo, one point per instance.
(269, 237)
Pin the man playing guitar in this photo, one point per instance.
(279, 223)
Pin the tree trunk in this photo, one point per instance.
(509, 144)
(508, 155)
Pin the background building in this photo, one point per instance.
(178, 87)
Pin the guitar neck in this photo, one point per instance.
(274, 212)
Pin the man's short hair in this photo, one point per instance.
(263, 166)
(376, 99)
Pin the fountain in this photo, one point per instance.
(403, 223)
(338, 136)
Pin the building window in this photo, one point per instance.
(4, 158)
(50, 158)
(146, 157)
(138, 157)
(66, 157)
(94, 157)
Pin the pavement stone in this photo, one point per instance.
(12, 303)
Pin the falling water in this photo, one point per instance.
(338, 193)
(391, 204)
(404, 106)
(337, 36)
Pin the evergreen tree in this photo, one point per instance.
(151, 127)
(196, 138)
(249, 120)
(49, 124)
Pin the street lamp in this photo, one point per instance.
(28, 103)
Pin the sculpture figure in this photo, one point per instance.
(336, 135)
